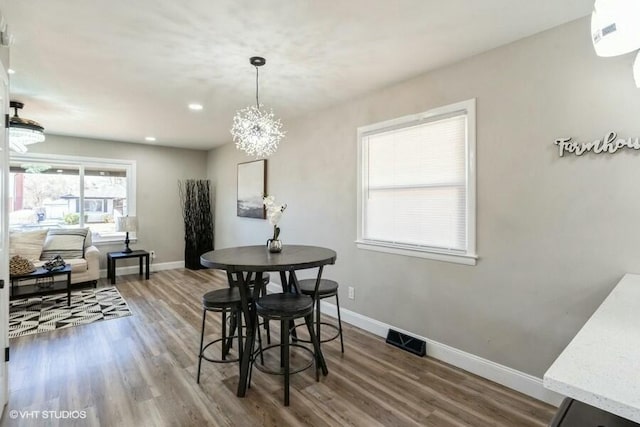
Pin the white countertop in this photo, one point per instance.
(601, 365)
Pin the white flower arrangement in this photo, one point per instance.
(274, 213)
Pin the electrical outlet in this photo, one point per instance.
(352, 292)
(152, 254)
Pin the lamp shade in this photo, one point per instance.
(614, 27)
(127, 223)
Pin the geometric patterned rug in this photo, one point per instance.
(50, 312)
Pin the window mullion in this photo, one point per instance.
(82, 224)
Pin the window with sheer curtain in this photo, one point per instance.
(417, 185)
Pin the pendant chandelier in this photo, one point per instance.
(255, 130)
(23, 132)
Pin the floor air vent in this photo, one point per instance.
(405, 342)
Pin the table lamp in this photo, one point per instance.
(127, 224)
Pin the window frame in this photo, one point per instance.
(90, 162)
(468, 256)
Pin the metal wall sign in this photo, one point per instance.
(609, 144)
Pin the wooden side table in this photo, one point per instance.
(112, 257)
(41, 274)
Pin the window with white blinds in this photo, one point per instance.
(417, 184)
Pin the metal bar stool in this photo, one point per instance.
(233, 282)
(287, 307)
(266, 278)
(225, 301)
(327, 289)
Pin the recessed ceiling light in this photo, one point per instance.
(195, 107)
(11, 71)
(59, 171)
(150, 138)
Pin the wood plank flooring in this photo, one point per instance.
(140, 371)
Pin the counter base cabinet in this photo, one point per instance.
(573, 413)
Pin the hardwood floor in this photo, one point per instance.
(140, 370)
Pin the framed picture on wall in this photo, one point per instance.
(252, 186)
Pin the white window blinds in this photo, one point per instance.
(415, 184)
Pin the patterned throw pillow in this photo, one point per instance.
(66, 242)
(27, 244)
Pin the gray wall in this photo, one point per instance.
(554, 235)
(158, 205)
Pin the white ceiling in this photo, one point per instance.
(125, 70)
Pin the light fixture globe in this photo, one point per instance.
(255, 129)
(23, 132)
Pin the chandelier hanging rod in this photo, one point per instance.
(257, 61)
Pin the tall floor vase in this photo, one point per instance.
(195, 198)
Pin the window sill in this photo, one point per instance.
(399, 250)
(105, 241)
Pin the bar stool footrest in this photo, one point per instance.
(331, 325)
(218, 360)
(266, 370)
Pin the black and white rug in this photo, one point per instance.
(50, 312)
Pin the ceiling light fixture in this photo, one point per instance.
(614, 28)
(195, 107)
(11, 71)
(256, 131)
(23, 132)
(150, 138)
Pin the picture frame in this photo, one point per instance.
(251, 188)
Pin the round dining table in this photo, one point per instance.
(246, 264)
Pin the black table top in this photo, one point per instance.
(42, 272)
(132, 254)
(258, 258)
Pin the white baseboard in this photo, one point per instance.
(508, 377)
(134, 269)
